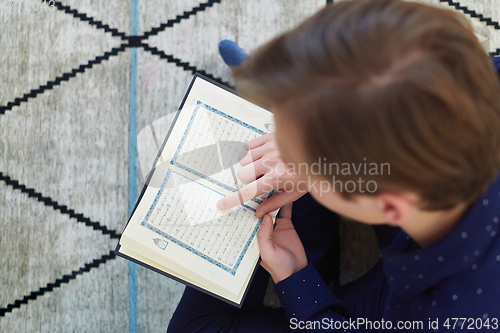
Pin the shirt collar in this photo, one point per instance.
(411, 272)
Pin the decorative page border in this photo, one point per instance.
(189, 248)
(184, 136)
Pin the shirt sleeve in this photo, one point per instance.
(310, 305)
(496, 62)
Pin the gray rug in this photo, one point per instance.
(76, 91)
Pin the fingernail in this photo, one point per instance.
(246, 147)
(258, 214)
(220, 205)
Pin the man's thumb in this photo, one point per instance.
(265, 236)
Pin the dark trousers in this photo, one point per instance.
(318, 229)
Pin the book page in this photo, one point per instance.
(185, 213)
(211, 145)
(210, 135)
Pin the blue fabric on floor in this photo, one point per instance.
(231, 53)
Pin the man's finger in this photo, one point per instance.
(279, 199)
(251, 172)
(253, 155)
(259, 141)
(246, 193)
(286, 211)
(283, 224)
(265, 236)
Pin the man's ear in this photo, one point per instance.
(395, 207)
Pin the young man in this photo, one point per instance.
(362, 85)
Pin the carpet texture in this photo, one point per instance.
(80, 80)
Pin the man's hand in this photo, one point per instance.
(281, 250)
(262, 171)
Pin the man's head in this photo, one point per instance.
(368, 83)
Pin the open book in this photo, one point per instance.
(176, 228)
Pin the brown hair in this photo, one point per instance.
(387, 81)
